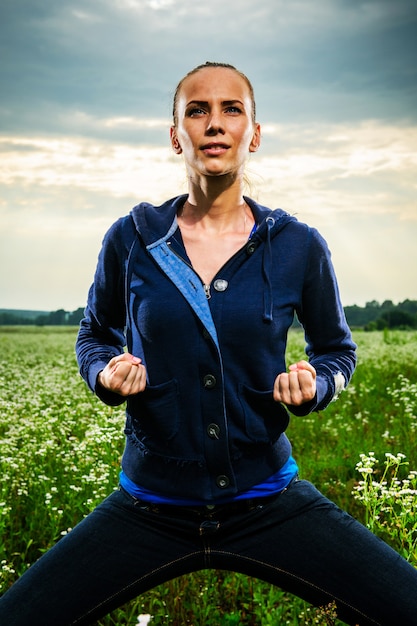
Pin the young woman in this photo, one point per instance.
(202, 290)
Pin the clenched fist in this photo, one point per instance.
(124, 374)
(297, 386)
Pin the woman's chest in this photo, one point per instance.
(209, 254)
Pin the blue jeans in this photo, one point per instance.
(297, 540)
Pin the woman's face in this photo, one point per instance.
(215, 130)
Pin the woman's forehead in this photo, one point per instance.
(218, 82)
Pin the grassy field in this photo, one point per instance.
(60, 452)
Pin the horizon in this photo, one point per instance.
(46, 311)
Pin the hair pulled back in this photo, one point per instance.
(204, 66)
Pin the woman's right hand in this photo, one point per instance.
(124, 374)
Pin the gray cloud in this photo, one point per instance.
(326, 60)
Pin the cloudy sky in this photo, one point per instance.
(85, 104)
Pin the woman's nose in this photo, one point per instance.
(214, 125)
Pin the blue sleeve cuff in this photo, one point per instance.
(324, 394)
(106, 396)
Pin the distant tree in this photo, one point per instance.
(355, 315)
(12, 319)
(387, 304)
(361, 316)
(75, 317)
(42, 320)
(393, 319)
(55, 318)
(375, 316)
(409, 305)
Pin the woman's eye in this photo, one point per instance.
(195, 112)
(234, 110)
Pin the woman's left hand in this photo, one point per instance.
(297, 386)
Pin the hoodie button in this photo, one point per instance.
(209, 381)
(220, 284)
(213, 431)
(251, 247)
(222, 481)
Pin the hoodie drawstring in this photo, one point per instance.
(266, 272)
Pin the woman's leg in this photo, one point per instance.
(305, 544)
(119, 551)
(299, 541)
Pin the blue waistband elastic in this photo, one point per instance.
(274, 484)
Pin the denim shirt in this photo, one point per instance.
(206, 426)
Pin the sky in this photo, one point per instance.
(85, 109)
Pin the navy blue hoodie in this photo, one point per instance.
(207, 426)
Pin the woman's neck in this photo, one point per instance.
(215, 204)
(214, 226)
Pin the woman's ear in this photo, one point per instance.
(174, 141)
(256, 139)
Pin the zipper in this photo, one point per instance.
(205, 286)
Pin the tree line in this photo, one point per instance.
(373, 316)
(29, 318)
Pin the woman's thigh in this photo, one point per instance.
(304, 543)
(117, 552)
(300, 541)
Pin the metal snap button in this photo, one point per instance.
(251, 247)
(213, 431)
(220, 284)
(222, 481)
(209, 381)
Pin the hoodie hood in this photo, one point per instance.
(156, 223)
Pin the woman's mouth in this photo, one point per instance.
(214, 149)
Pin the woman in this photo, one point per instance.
(206, 286)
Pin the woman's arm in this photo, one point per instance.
(330, 349)
(101, 336)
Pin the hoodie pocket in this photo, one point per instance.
(265, 419)
(154, 414)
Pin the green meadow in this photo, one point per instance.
(60, 452)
